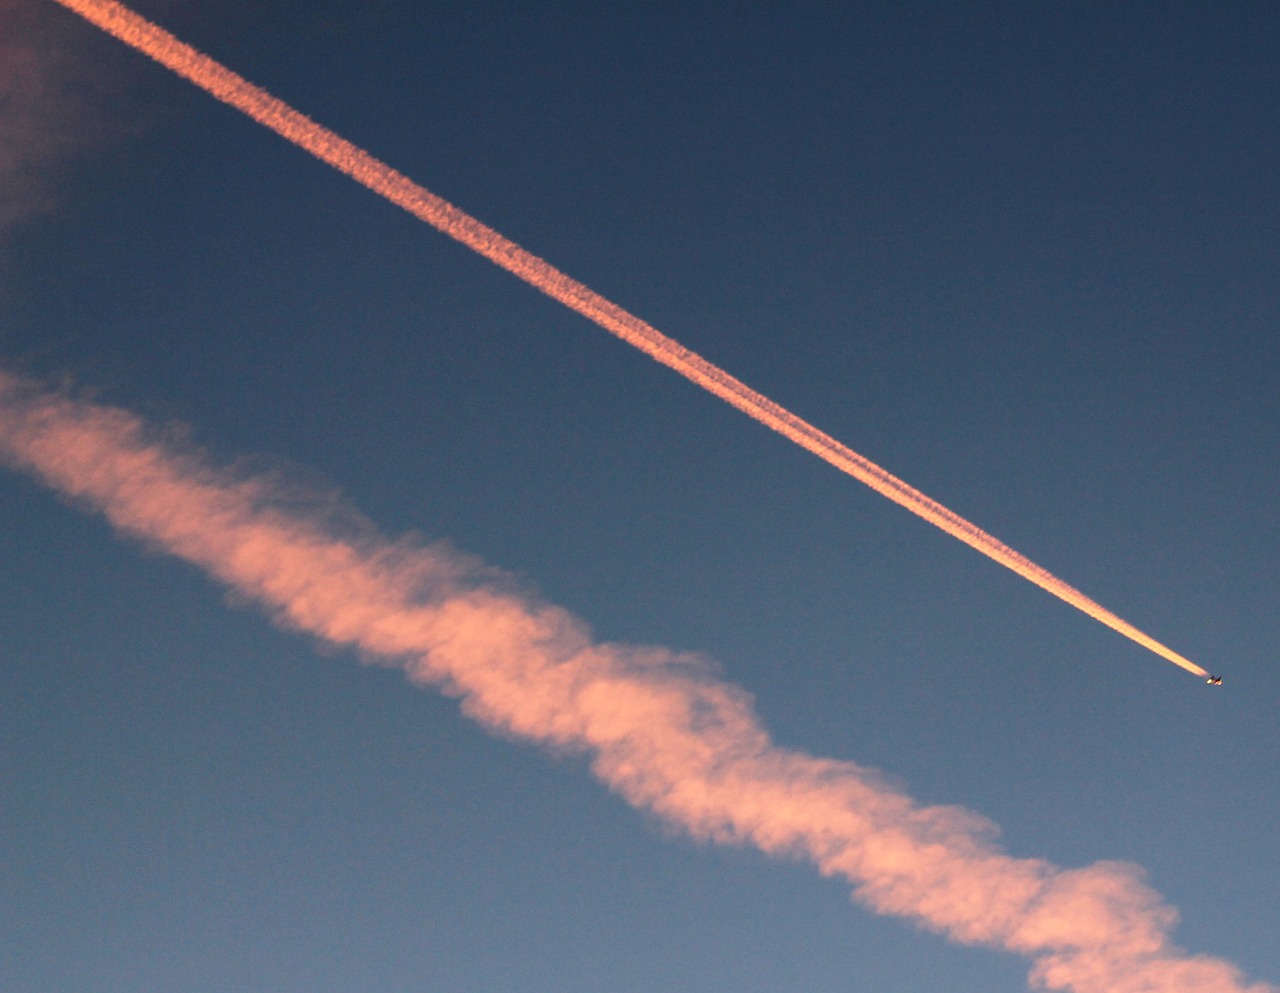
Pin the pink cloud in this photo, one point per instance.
(659, 728)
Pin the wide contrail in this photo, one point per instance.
(658, 728)
(227, 86)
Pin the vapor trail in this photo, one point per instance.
(658, 728)
(232, 89)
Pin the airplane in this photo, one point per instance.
(1214, 680)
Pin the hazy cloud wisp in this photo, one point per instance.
(52, 101)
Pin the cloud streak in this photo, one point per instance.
(336, 151)
(657, 726)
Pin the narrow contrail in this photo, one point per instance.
(227, 86)
(658, 728)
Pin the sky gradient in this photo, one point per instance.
(1022, 268)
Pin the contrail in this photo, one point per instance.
(230, 88)
(658, 728)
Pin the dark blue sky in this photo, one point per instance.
(1024, 256)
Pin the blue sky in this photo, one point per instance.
(1024, 258)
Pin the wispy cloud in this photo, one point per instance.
(51, 104)
(659, 728)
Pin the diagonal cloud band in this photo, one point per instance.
(658, 728)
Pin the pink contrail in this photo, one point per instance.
(232, 89)
(659, 729)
